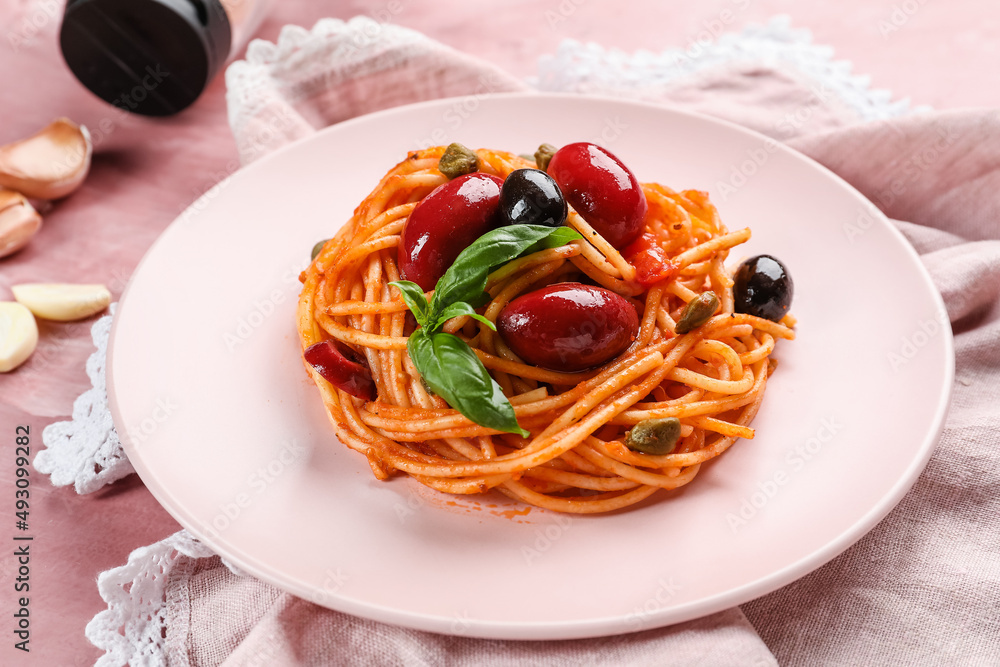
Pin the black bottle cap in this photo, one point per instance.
(152, 57)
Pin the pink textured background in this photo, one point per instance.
(146, 171)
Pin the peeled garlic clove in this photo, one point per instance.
(50, 164)
(18, 335)
(62, 301)
(19, 221)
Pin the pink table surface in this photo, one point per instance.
(146, 171)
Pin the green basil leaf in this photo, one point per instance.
(465, 279)
(480, 300)
(560, 236)
(415, 300)
(458, 309)
(445, 362)
(454, 372)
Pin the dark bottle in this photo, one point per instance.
(153, 57)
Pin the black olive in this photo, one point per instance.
(763, 288)
(532, 197)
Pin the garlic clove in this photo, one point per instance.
(50, 164)
(19, 221)
(18, 335)
(62, 301)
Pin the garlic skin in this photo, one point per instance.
(50, 164)
(19, 222)
(18, 335)
(63, 302)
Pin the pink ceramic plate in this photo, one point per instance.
(222, 424)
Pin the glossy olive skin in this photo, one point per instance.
(568, 326)
(342, 367)
(445, 223)
(602, 190)
(532, 197)
(763, 288)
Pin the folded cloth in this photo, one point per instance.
(921, 588)
(276, 628)
(311, 79)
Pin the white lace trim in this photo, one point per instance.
(86, 452)
(273, 77)
(589, 68)
(133, 628)
(302, 55)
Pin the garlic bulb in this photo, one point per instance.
(18, 335)
(50, 164)
(62, 301)
(19, 222)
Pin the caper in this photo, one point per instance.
(697, 312)
(543, 155)
(317, 249)
(458, 160)
(654, 436)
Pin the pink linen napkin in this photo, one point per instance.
(922, 588)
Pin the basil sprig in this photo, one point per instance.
(446, 362)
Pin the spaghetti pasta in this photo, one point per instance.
(712, 379)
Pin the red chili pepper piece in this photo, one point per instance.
(343, 368)
(650, 261)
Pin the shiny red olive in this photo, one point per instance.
(445, 223)
(342, 367)
(568, 326)
(602, 190)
